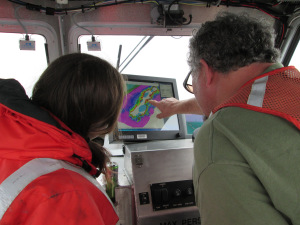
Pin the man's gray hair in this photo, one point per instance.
(232, 41)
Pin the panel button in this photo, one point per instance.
(144, 198)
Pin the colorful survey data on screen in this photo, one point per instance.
(137, 113)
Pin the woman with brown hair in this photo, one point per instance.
(48, 159)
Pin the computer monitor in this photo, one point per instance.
(138, 121)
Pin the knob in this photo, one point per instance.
(177, 192)
(189, 191)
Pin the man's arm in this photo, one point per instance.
(171, 106)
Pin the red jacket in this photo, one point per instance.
(60, 197)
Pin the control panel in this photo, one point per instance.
(175, 194)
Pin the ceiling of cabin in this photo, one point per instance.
(274, 7)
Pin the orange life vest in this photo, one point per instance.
(276, 92)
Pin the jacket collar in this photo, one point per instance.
(28, 131)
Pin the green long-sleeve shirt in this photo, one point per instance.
(247, 169)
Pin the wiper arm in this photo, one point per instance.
(146, 42)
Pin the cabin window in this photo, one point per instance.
(23, 65)
(161, 56)
(295, 58)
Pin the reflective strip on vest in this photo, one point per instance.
(258, 91)
(11, 187)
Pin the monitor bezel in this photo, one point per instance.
(151, 135)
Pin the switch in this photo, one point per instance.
(165, 195)
(157, 196)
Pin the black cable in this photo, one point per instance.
(37, 7)
(281, 17)
(169, 14)
(189, 22)
(17, 2)
(180, 21)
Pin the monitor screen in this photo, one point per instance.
(138, 121)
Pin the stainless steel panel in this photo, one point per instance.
(155, 162)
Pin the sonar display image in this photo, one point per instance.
(137, 113)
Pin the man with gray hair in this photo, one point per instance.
(247, 153)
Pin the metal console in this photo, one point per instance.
(160, 173)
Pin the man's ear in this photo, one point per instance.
(209, 75)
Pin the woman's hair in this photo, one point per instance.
(84, 92)
(231, 42)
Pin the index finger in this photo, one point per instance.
(153, 102)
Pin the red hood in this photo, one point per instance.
(24, 138)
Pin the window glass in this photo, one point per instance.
(295, 60)
(23, 65)
(162, 56)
